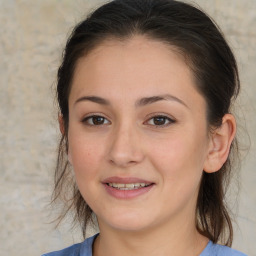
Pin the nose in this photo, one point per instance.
(125, 147)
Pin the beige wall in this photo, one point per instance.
(32, 34)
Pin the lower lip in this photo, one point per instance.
(127, 194)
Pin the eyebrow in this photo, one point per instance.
(139, 103)
(95, 99)
(149, 100)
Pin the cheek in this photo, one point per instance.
(180, 158)
(86, 159)
(86, 155)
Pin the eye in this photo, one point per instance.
(160, 120)
(95, 120)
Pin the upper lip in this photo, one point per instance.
(125, 180)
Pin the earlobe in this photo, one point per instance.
(220, 143)
(61, 124)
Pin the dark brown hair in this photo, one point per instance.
(198, 39)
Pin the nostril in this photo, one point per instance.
(125, 150)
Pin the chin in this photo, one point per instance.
(127, 222)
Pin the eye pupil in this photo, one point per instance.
(159, 120)
(98, 120)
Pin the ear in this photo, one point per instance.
(61, 124)
(62, 130)
(220, 143)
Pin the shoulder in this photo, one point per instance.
(84, 248)
(70, 251)
(220, 250)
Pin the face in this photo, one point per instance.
(138, 137)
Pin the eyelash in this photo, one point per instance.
(86, 120)
(165, 118)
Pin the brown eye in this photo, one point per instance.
(160, 121)
(96, 120)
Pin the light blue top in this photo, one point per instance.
(85, 249)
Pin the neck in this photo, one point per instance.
(176, 239)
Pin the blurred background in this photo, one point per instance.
(32, 36)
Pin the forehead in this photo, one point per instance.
(134, 67)
(136, 49)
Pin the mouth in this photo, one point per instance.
(128, 186)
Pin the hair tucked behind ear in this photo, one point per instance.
(212, 62)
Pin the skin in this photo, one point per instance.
(128, 142)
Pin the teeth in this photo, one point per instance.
(128, 186)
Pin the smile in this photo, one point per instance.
(130, 186)
(127, 187)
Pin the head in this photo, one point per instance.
(193, 41)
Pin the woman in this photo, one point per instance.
(144, 91)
